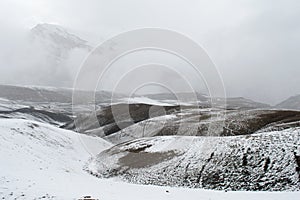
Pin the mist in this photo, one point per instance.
(254, 44)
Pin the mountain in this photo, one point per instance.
(292, 103)
(268, 161)
(143, 117)
(203, 99)
(42, 94)
(35, 94)
(202, 122)
(52, 56)
(40, 161)
(243, 103)
(57, 38)
(160, 142)
(56, 43)
(46, 104)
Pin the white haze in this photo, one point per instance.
(254, 43)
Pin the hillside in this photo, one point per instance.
(157, 141)
(44, 162)
(268, 161)
(292, 103)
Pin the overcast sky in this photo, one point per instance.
(254, 43)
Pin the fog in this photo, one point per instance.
(255, 44)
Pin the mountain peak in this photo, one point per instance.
(58, 35)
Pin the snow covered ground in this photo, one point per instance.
(156, 102)
(39, 161)
(259, 162)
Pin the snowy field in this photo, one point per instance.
(39, 161)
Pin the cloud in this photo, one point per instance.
(255, 44)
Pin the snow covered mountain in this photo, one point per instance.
(229, 102)
(123, 122)
(43, 104)
(50, 55)
(57, 39)
(203, 122)
(40, 161)
(35, 94)
(254, 149)
(292, 103)
(265, 161)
